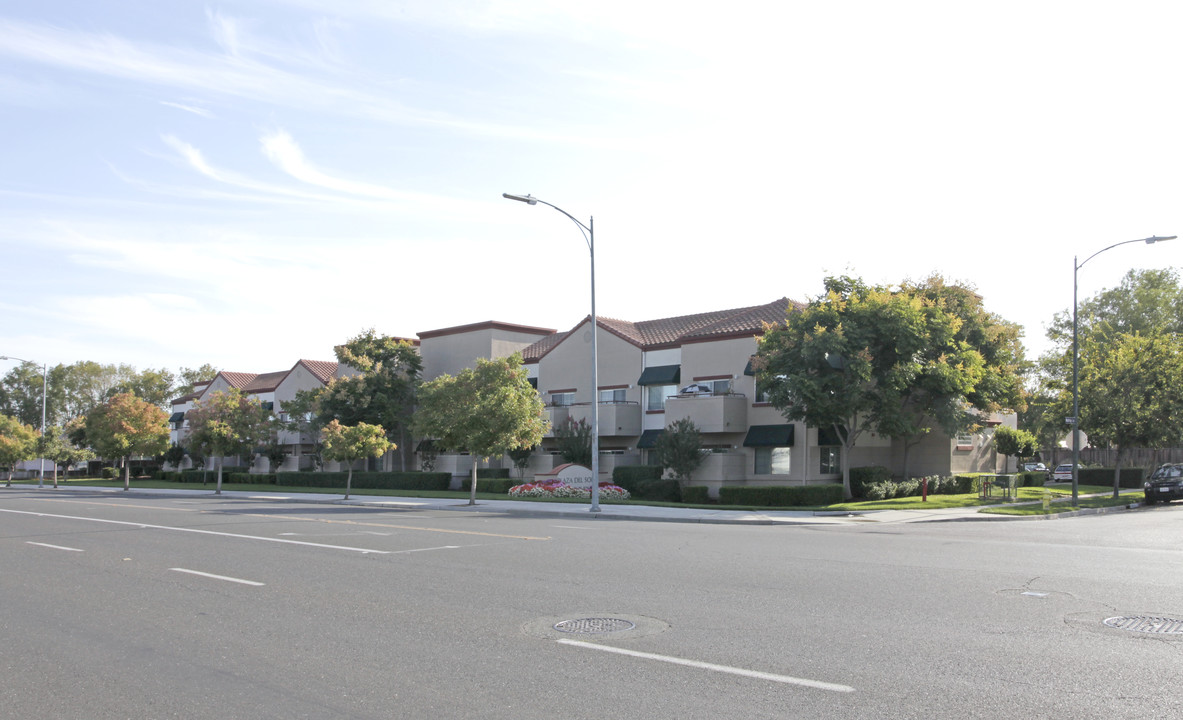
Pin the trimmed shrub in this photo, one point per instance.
(368, 480)
(249, 478)
(781, 496)
(110, 473)
(644, 482)
(1130, 477)
(491, 474)
(498, 485)
(696, 495)
(1031, 479)
(960, 485)
(863, 477)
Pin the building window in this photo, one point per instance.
(965, 440)
(657, 394)
(562, 399)
(614, 396)
(830, 464)
(773, 460)
(719, 387)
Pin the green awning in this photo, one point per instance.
(177, 417)
(661, 375)
(769, 436)
(648, 439)
(747, 370)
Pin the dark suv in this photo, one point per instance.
(1165, 484)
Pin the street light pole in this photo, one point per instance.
(1076, 360)
(44, 393)
(589, 235)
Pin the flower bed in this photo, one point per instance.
(556, 489)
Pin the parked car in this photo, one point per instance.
(1034, 467)
(1062, 473)
(1165, 483)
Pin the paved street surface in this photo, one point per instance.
(159, 605)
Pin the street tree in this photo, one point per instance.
(842, 359)
(306, 420)
(1131, 389)
(969, 362)
(679, 448)
(125, 427)
(485, 411)
(384, 391)
(18, 442)
(1011, 442)
(21, 393)
(56, 445)
(228, 424)
(349, 443)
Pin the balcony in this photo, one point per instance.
(557, 415)
(622, 419)
(722, 413)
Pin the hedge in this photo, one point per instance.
(781, 496)
(1131, 477)
(490, 485)
(862, 478)
(644, 482)
(491, 474)
(367, 480)
(696, 495)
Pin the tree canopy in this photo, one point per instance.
(228, 423)
(349, 443)
(383, 393)
(485, 411)
(125, 427)
(900, 360)
(679, 448)
(18, 442)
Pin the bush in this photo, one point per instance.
(1031, 479)
(497, 485)
(863, 477)
(1130, 477)
(110, 473)
(368, 480)
(781, 496)
(644, 482)
(249, 478)
(696, 495)
(491, 473)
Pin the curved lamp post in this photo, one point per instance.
(44, 387)
(1076, 360)
(589, 235)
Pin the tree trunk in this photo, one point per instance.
(218, 487)
(126, 475)
(472, 491)
(845, 460)
(1117, 474)
(349, 479)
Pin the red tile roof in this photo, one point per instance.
(674, 331)
(322, 369)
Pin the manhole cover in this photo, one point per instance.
(594, 625)
(1143, 624)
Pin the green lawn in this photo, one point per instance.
(1059, 494)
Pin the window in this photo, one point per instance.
(965, 440)
(773, 460)
(656, 395)
(830, 464)
(613, 396)
(719, 387)
(562, 399)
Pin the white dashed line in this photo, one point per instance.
(55, 547)
(218, 577)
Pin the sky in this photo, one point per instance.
(251, 182)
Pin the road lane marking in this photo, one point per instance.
(817, 684)
(574, 527)
(199, 532)
(218, 577)
(442, 547)
(55, 547)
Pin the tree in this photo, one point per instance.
(969, 362)
(21, 394)
(187, 378)
(383, 394)
(18, 442)
(155, 386)
(228, 424)
(125, 427)
(350, 443)
(679, 448)
(1131, 389)
(1014, 443)
(174, 456)
(842, 360)
(520, 458)
(487, 410)
(573, 441)
(55, 445)
(304, 418)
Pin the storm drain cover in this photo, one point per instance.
(1144, 624)
(594, 625)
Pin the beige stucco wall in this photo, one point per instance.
(568, 365)
(451, 353)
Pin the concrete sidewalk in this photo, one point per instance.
(581, 511)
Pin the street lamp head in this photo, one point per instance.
(521, 198)
(1155, 238)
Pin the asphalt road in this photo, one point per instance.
(208, 608)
